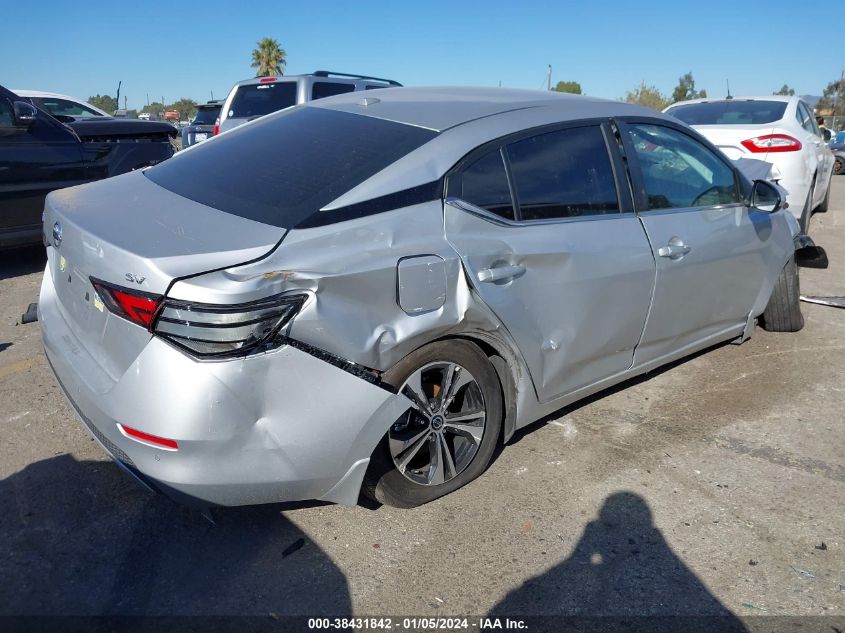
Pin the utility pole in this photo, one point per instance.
(549, 79)
(727, 81)
(117, 98)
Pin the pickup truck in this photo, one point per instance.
(40, 153)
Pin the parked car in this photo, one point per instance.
(60, 105)
(837, 146)
(414, 278)
(202, 125)
(40, 153)
(780, 130)
(253, 98)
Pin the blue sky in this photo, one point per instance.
(194, 48)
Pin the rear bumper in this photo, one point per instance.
(280, 426)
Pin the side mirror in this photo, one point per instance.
(766, 197)
(25, 114)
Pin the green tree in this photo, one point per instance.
(833, 95)
(269, 58)
(685, 89)
(104, 102)
(785, 91)
(647, 96)
(186, 108)
(572, 87)
(156, 107)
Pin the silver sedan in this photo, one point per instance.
(369, 294)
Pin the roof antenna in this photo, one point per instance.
(727, 81)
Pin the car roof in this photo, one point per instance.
(440, 108)
(55, 95)
(320, 75)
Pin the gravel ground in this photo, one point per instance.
(714, 486)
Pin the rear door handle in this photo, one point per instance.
(675, 249)
(500, 273)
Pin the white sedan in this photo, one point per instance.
(779, 130)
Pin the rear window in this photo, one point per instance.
(260, 99)
(729, 112)
(283, 169)
(206, 116)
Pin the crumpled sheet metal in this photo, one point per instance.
(350, 278)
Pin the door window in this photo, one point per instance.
(679, 172)
(562, 174)
(806, 119)
(7, 115)
(485, 184)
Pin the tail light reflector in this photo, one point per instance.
(772, 143)
(146, 438)
(132, 305)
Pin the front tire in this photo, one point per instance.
(448, 437)
(783, 312)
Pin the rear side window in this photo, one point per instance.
(260, 99)
(679, 172)
(485, 184)
(281, 170)
(322, 89)
(729, 112)
(563, 174)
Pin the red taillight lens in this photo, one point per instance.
(134, 306)
(216, 129)
(772, 143)
(146, 438)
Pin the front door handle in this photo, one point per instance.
(675, 249)
(500, 273)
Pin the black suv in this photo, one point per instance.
(40, 153)
(202, 126)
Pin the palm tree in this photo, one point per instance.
(269, 58)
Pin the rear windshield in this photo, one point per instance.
(283, 169)
(729, 112)
(260, 99)
(206, 116)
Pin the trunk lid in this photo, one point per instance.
(129, 232)
(728, 138)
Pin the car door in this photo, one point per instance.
(34, 160)
(711, 250)
(545, 228)
(817, 152)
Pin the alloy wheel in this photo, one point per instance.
(436, 439)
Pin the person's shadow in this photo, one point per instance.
(621, 573)
(80, 538)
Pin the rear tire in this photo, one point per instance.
(783, 312)
(823, 207)
(469, 387)
(838, 167)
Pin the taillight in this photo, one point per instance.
(216, 126)
(133, 305)
(220, 330)
(772, 143)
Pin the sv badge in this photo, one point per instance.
(137, 279)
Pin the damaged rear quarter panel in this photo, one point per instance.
(349, 272)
